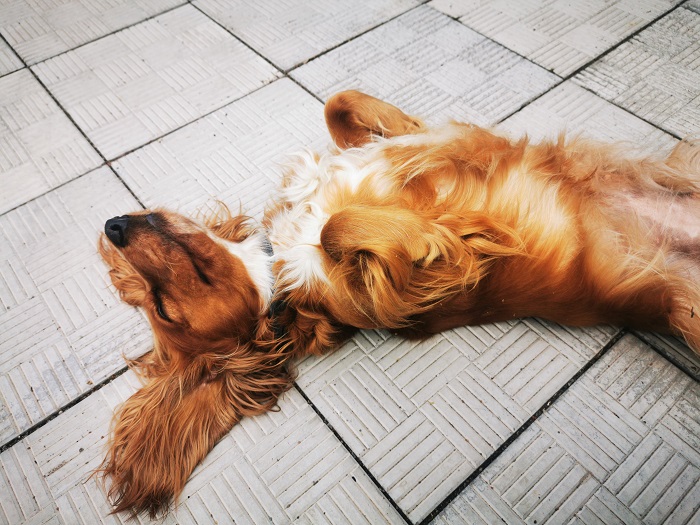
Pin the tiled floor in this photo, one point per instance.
(110, 105)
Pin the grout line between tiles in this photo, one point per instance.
(623, 41)
(354, 456)
(586, 64)
(582, 67)
(657, 126)
(160, 137)
(99, 37)
(362, 33)
(3, 39)
(222, 26)
(307, 90)
(105, 162)
(667, 356)
(36, 426)
(68, 115)
(494, 455)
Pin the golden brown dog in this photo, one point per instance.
(401, 227)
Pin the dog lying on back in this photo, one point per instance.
(402, 227)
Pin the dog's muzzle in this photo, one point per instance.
(115, 230)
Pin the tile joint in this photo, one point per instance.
(36, 426)
(102, 36)
(354, 456)
(485, 464)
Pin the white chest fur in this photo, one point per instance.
(295, 229)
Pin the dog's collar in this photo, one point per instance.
(267, 246)
(277, 306)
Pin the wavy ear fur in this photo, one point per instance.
(165, 429)
(224, 224)
(354, 119)
(395, 262)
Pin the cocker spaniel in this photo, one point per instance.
(398, 226)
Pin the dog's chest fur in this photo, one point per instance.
(312, 184)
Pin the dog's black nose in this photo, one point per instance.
(115, 229)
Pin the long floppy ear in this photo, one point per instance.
(165, 429)
(353, 119)
(395, 262)
(308, 328)
(131, 286)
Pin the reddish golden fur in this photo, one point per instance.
(460, 226)
(214, 365)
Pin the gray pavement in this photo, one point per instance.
(108, 106)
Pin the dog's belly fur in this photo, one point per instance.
(675, 220)
(589, 234)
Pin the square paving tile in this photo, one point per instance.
(656, 74)
(430, 65)
(560, 35)
(423, 416)
(619, 446)
(131, 87)
(693, 5)
(290, 32)
(233, 155)
(39, 146)
(39, 29)
(574, 110)
(9, 62)
(276, 468)
(64, 329)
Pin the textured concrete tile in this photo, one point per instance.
(693, 5)
(61, 328)
(39, 146)
(571, 109)
(280, 467)
(290, 32)
(232, 155)
(656, 74)
(9, 62)
(619, 446)
(432, 66)
(675, 350)
(423, 416)
(38, 29)
(559, 35)
(131, 87)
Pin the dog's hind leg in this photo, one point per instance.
(354, 118)
(685, 159)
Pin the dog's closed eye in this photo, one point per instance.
(160, 309)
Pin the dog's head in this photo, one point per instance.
(202, 286)
(205, 289)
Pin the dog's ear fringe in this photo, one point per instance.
(224, 224)
(163, 431)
